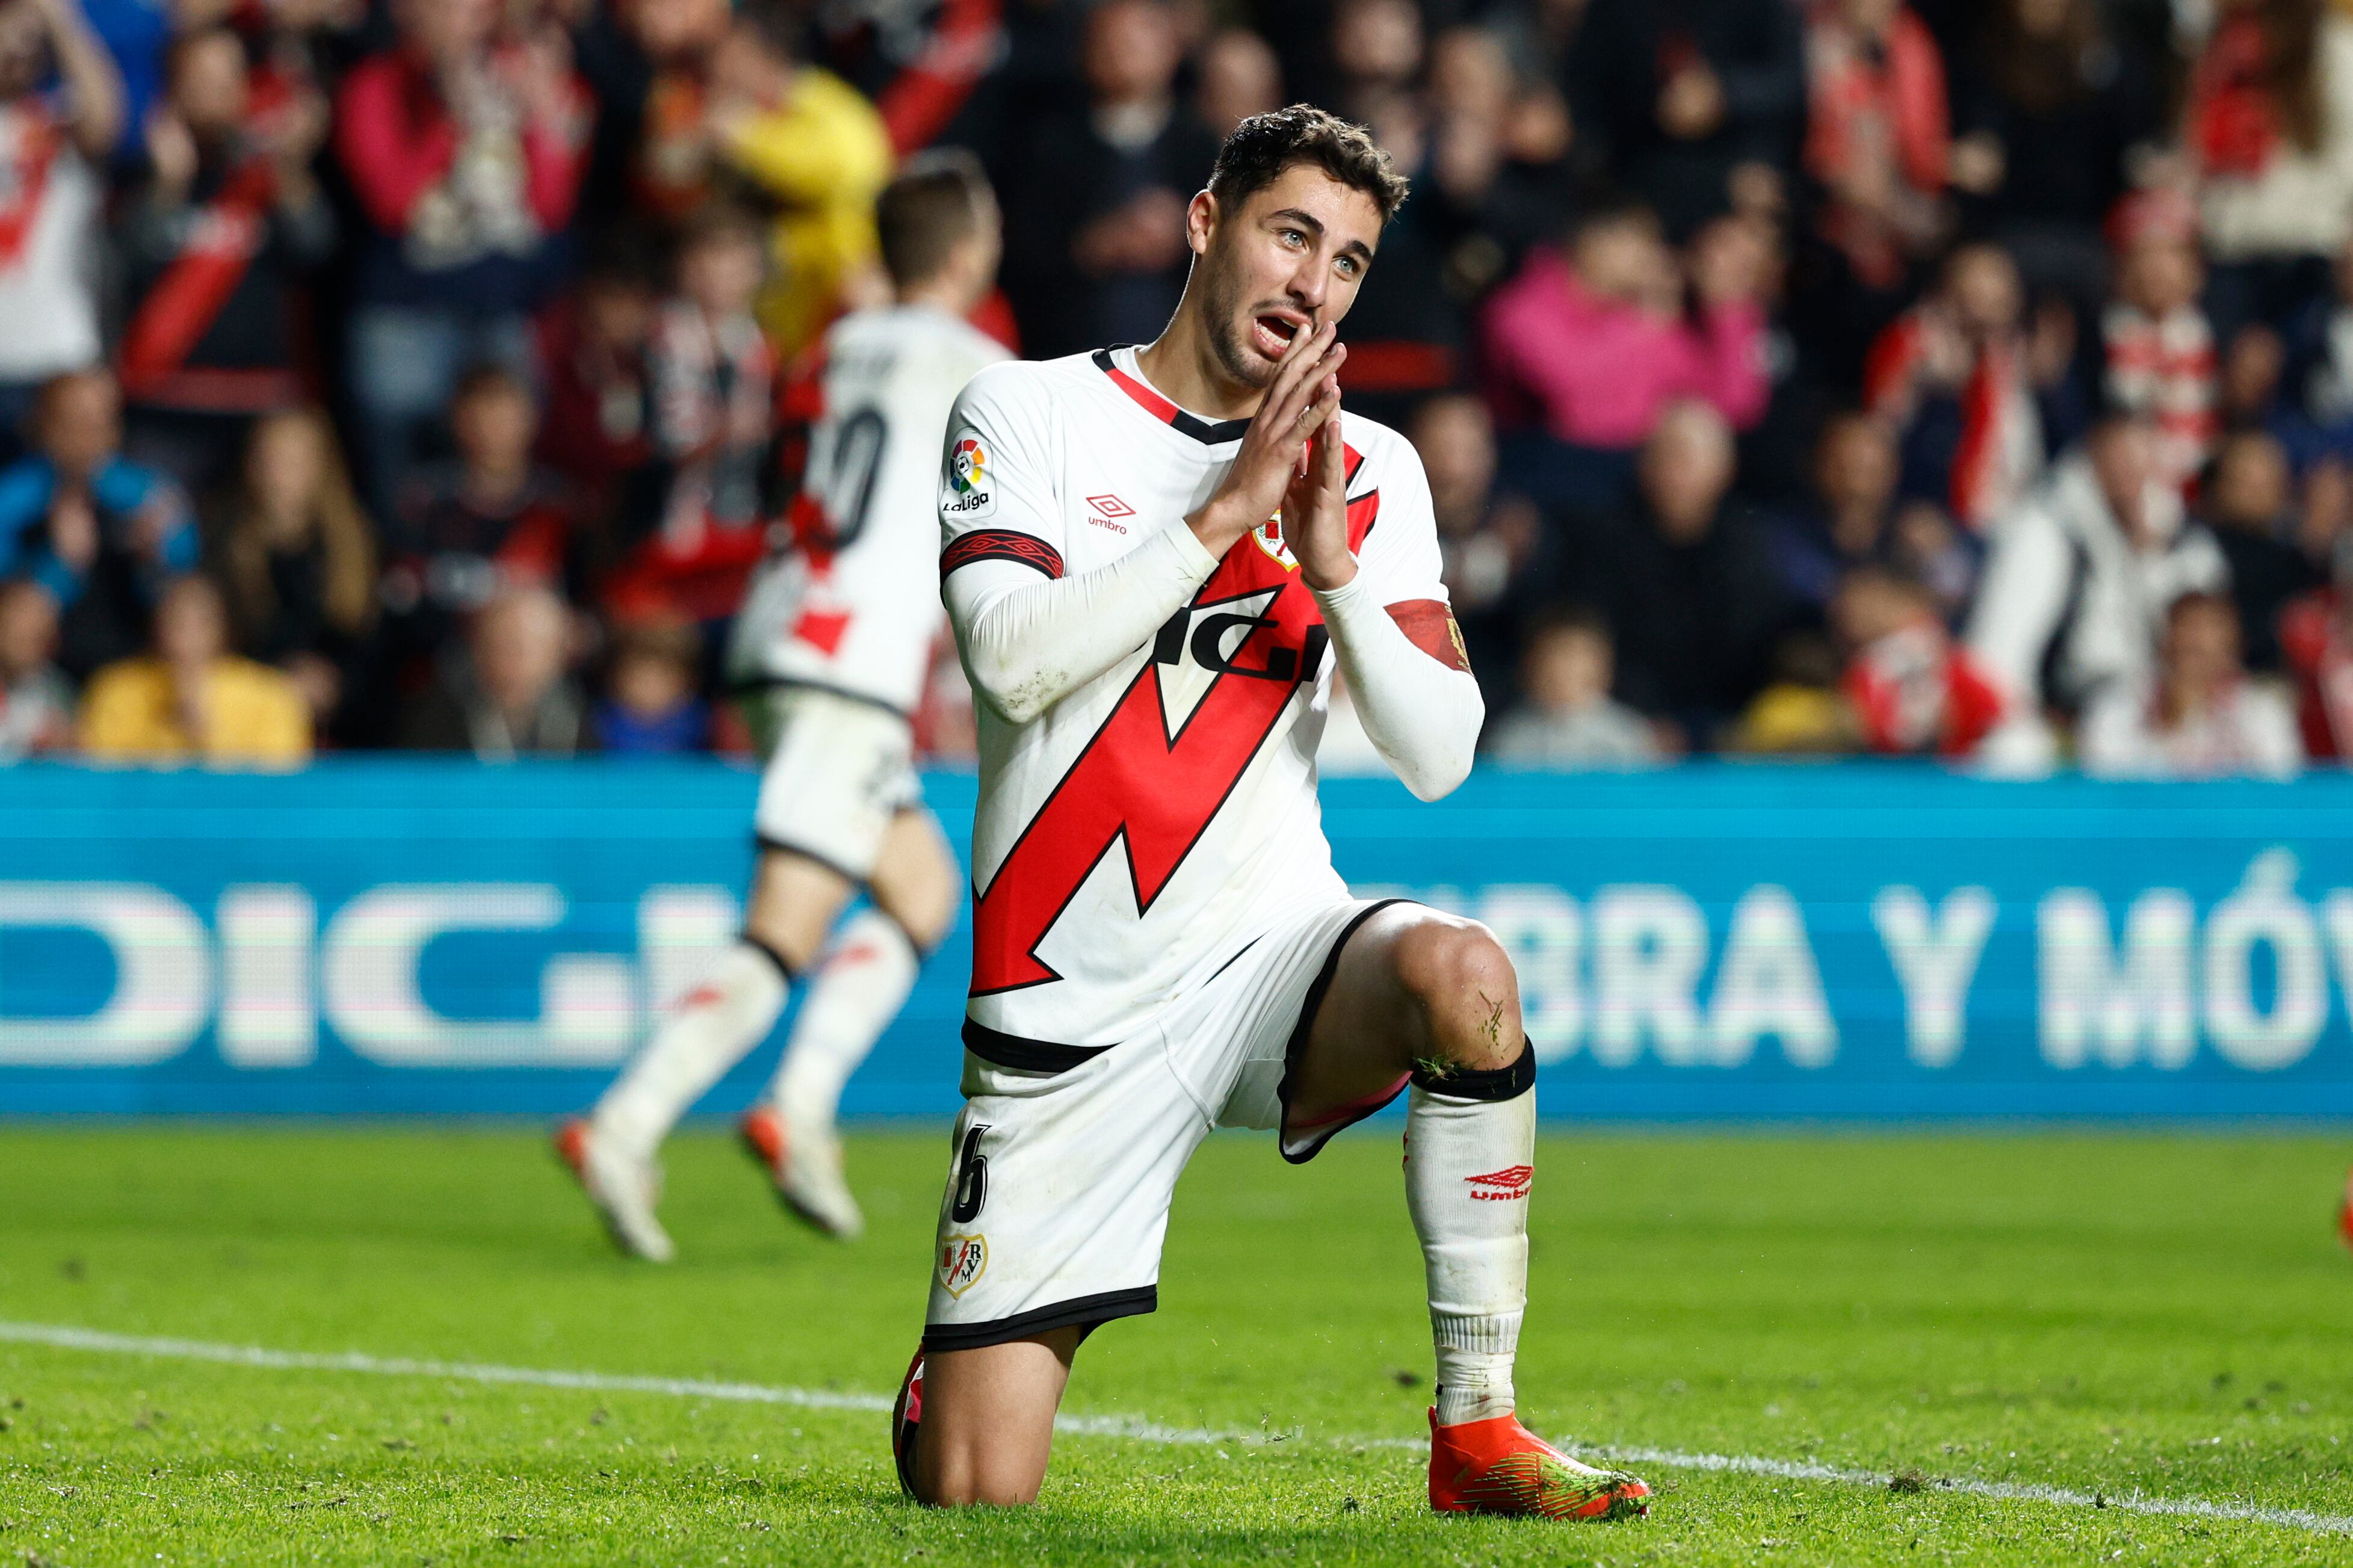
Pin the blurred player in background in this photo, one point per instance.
(1154, 561)
(831, 649)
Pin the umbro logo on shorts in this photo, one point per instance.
(1501, 1186)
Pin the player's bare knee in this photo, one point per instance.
(1462, 982)
(975, 1479)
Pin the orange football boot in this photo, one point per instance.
(1498, 1466)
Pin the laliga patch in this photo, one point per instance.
(963, 1261)
(966, 488)
(1503, 1185)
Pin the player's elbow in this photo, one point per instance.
(1435, 778)
(1443, 761)
(1015, 693)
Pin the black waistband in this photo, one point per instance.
(1000, 1050)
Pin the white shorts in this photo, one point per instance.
(839, 770)
(1061, 1171)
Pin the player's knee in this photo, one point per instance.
(1461, 979)
(962, 1476)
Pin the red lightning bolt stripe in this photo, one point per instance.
(1132, 781)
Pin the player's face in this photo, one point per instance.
(1290, 259)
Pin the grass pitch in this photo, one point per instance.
(2161, 1316)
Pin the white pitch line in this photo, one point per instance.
(67, 1337)
(64, 1336)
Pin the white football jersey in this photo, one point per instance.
(853, 605)
(1144, 829)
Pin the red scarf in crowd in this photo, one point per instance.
(1916, 692)
(1870, 104)
(2231, 124)
(180, 306)
(25, 179)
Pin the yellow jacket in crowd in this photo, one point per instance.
(253, 716)
(824, 154)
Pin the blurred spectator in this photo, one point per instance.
(921, 64)
(1540, 35)
(1595, 343)
(1486, 541)
(2315, 362)
(216, 248)
(54, 145)
(677, 159)
(1377, 51)
(1239, 76)
(2249, 503)
(467, 530)
(1848, 519)
(1852, 516)
(1800, 713)
(36, 701)
(2200, 716)
(192, 700)
(97, 529)
(817, 153)
(465, 150)
(2268, 128)
(2050, 115)
(2077, 586)
(2316, 636)
(1956, 377)
(1695, 105)
(1408, 329)
(650, 708)
(1498, 163)
(1568, 719)
(1095, 223)
(2251, 388)
(504, 691)
(1914, 691)
(2159, 355)
(297, 559)
(600, 429)
(713, 377)
(1878, 136)
(1686, 577)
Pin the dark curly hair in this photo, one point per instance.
(1264, 145)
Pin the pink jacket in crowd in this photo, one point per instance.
(1597, 372)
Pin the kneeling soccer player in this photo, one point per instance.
(1153, 559)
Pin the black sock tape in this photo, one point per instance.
(923, 950)
(1481, 1083)
(771, 954)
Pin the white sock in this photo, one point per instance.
(713, 1026)
(859, 989)
(1467, 1167)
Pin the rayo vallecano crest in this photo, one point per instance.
(963, 1261)
(1269, 535)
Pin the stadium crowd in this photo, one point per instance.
(1966, 378)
